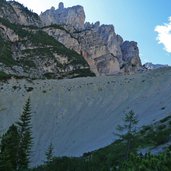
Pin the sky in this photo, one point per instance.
(147, 22)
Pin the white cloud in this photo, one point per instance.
(164, 35)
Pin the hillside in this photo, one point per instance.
(60, 44)
(106, 52)
(80, 115)
(27, 51)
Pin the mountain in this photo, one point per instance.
(60, 44)
(150, 65)
(80, 115)
(102, 48)
(18, 14)
(74, 115)
(26, 50)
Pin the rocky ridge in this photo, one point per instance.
(27, 51)
(73, 16)
(59, 43)
(94, 41)
(18, 14)
(150, 65)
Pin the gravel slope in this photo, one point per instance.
(80, 115)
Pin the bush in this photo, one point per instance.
(161, 137)
(4, 76)
(165, 119)
(161, 127)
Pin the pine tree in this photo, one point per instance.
(25, 136)
(49, 154)
(8, 154)
(128, 130)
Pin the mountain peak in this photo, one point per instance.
(61, 6)
(73, 16)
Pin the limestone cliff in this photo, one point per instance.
(73, 16)
(18, 14)
(26, 50)
(94, 41)
(60, 41)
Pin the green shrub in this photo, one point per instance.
(165, 119)
(161, 127)
(4, 76)
(145, 129)
(49, 75)
(161, 137)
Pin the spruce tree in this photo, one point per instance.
(8, 149)
(49, 154)
(128, 130)
(25, 136)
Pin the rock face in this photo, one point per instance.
(74, 16)
(99, 42)
(26, 50)
(107, 65)
(130, 56)
(17, 13)
(64, 37)
(55, 42)
(40, 56)
(104, 50)
(8, 33)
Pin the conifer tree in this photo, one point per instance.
(49, 154)
(25, 136)
(8, 149)
(128, 130)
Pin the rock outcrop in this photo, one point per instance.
(107, 65)
(33, 41)
(18, 14)
(130, 56)
(26, 50)
(73, 16)
(104, 50)
(98, 41)
(63, 36)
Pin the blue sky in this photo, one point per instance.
(133, 20)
